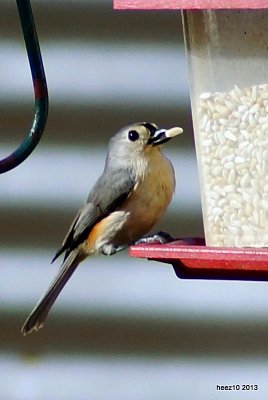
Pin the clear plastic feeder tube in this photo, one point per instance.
(228, 63)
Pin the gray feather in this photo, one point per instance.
(108, 193)
(39, 314)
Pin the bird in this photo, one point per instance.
(127, 200)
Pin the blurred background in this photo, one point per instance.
(122, 328)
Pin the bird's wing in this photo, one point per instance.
(106, 196)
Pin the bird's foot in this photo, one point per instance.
(108, 249)
(160, 237)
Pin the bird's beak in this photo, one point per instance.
(161, 136)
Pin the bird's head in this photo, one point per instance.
(140, 138)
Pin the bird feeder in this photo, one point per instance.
(227, 49)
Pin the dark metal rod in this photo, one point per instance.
(40, 89)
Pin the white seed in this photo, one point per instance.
(244, 151)
(234, 196)
(229, 104)
(228, 157)
(214, 195)
(263, 120)
(216, 116)
(173, 132)
(229, 135)
(249, 240)
(263, 86)
(241, 145)
(256, 217)
(231, 177)
(264, 204)
(222, 202)
(223, 121)
(245, 116)
(254, 108)
(257, 116)
(234, 221)
(264, 95)
(264, 127)
(240, 168)
(263, 218)
(209, 106)
(235, 204)
(259, 156)
(252, 120)
(221, 151)
(238, 91)
(219, 190)
(207, 142)
(247, 209)
(229, 188)
(253, 164)
(254, 93)
(216, 171)
(205, 96)
(204, 121)
(221, 138)
(239, 160)
(256, 201)
(237, 114)
(242, 125)
(245, 180)
(245, 100)
(236, 122)
(229, 165)
(259, 169)
(217, 211)
(234, 230)
(243, 108)
(223, 110)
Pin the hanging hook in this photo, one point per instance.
(40, 89)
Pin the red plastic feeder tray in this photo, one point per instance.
(191, 259)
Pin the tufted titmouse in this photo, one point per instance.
(130, 196)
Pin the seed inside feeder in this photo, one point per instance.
(233, 139)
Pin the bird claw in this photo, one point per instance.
(109, 249)
(160, 237)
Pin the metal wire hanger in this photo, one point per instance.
(40, 89)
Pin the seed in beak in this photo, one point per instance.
(173, 132)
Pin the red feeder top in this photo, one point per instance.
(188, 4)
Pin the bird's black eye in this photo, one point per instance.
(133, 136)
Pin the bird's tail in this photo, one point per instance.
(39, 314)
